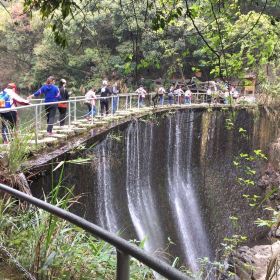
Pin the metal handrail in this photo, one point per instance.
(123, 247)
(206, 83)
(198, 97)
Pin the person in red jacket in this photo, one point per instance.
(9, 100)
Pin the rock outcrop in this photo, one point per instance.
(257, 263)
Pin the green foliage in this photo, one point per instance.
(246, 163)
(18, 151)
(273, 222)
(51, 248)
(116, 136)
(229, 124)
(130, 39)
(231, 243)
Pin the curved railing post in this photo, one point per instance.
(122, 266)
(40, 115)
(118, 103)
(69, 114)
(75, 108)
(36, 125)
(92, 112)
(126, 101)
(112, 104)
(98, 113)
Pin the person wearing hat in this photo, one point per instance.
(9, 100)
(62, 107)
(52, 94)
(105, 92)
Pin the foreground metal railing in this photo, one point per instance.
(124, 248)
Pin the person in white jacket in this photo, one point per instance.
(90, 99)
(9, 100)
(141, 95)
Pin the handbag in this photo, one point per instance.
(62, 105)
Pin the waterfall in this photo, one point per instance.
(141, 203)
(106, 210)
(186, 213)
(140, 164)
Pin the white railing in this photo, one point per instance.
(33, 115)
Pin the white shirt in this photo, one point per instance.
(179, 91)
(141, 91)
(161, 91)
(115, 90)
(90, 97)
(15, 99)
(188, 93)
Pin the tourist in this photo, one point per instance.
(179, 93)
(209, 95)
(234, 93)
(171, 94)
(105, 92)
(90, 99)
(141, 95)
(161, 92)
(115, 100)
(9, 99)
(188, 96)
(159, 97)
(62, 107)
(52, 94)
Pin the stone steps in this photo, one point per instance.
(82, 125)
(45, 140)
(78, 130)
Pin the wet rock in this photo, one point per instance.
(257, 262)
(270, 178)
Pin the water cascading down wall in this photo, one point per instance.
(169, 180)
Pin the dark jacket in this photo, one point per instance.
(64, 93)
(104, 92)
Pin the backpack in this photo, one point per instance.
(5, 100)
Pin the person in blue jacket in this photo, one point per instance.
(52, 94)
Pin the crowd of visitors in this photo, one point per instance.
(176, 94)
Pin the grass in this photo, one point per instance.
(51, 248)
(18, 151)
(13, 158)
